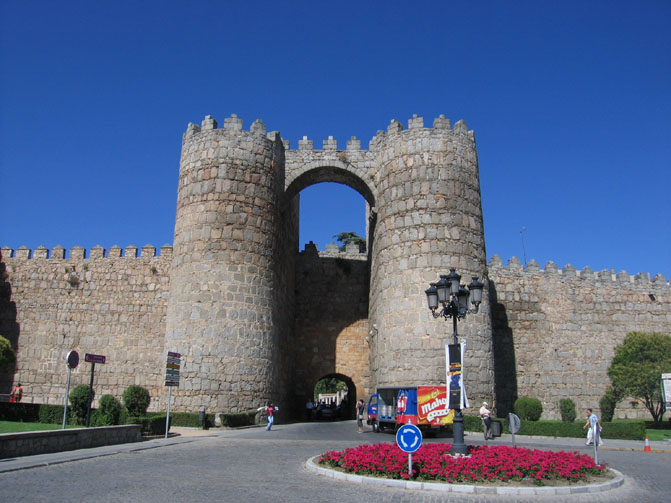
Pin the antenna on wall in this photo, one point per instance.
(524, 249)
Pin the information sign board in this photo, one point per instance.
(172, 369)
(666, 390)
(91, 358)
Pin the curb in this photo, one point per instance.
(618, 481)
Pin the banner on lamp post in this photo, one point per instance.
(454, 356)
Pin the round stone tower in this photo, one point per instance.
(231, 289)
(429, 219)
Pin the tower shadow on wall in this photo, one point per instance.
(505, 367)
(9, 328)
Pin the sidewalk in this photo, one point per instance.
(177, 435)
(579, 443)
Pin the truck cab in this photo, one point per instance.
(382, 409)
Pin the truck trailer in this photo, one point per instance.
(424, 406)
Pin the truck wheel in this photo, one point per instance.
(376, 427)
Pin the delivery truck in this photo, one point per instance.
(424, 406)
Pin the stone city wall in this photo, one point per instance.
(111, 303)
(555, 330)
(331, 319)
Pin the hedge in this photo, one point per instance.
(622, 430)
(192, 419)
(32, 413)
(151, 425)
(238, 419)
(53, 414)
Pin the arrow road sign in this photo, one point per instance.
(409, 438)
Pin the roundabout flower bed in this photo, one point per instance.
(483, 464)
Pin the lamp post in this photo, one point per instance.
(448, 298)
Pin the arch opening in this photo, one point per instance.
(334, 396)
(328, 209)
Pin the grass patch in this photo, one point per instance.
(658, 434)
(14, 427)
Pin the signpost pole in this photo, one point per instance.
(67, 393)
(171, 379)
(409, 439)
(88, 412)
(167, 416)
(72, 360)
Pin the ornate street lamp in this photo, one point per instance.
(448, 298)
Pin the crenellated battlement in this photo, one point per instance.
(351, 252)
(514, 265)
(234, 124)
(79, 253)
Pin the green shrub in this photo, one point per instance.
(97, 419)
(79, 402)
(109, 410)
(567, 410)
(136, 400)
(528, 408)
(607, 404)
(7, 355)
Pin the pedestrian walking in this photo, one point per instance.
(360, 409)
(593, 427)
(309, 410)
(486, 416)
(17, 394)
(271, 417)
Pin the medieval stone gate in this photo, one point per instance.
(255, 320)
(260, 323)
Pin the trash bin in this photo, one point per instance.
(496, 428)
(202, 418)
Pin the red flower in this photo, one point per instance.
(484, 463)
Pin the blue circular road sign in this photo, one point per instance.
(409, 438)
(72, 359)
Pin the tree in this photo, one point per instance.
(329, 385)
(637, 367)
(7, 355)
(351, 237)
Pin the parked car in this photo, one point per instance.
(327, 412)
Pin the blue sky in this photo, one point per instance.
(570, 103)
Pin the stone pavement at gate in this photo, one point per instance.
(252, 463)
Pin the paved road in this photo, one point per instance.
(256, 465)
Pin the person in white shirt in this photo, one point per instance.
(485, 415)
